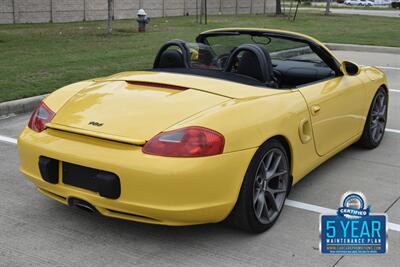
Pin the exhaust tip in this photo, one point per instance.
(82, 205)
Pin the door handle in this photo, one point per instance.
(315, 109)
(305, 131)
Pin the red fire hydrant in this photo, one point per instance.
(142, 20)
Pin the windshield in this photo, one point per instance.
(221, 46)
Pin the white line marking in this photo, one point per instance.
(3, 117)
(318, 209)
(394, 227)
(389, 68)
(394, 90)
(8, 139)
(309, 207)
(392, 130)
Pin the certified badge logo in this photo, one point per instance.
(353, 205)
(353, 229)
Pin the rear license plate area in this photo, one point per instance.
(105, 183)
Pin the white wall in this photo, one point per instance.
(39, 11)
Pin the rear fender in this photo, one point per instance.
(249, 123)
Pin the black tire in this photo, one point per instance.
(370, 139)
(244, 216)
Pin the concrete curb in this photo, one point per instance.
(364, 48)
(20, 105)
(28, 104)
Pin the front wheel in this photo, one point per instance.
(264, 189)
(375, 125)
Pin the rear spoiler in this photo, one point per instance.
(120, 139)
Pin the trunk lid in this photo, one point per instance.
(130, 112)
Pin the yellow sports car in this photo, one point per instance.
(218, 129)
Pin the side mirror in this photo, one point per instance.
(349, 68)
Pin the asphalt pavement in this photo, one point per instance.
(36, 230)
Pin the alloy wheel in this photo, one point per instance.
(378, 117)
(270, 186)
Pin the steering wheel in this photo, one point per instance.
(221, 60)
(277, 78)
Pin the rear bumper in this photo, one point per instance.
(160, 190)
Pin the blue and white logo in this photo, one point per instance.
(353, 205)
(353, 229)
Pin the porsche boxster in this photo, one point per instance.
(218, 129)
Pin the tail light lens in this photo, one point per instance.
(186, 142)
(40, 117)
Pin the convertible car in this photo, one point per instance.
(219, 129)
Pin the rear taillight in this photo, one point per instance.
(186, 142)
(40, 117)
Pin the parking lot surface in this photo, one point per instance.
(35, 230)
(365, 12)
